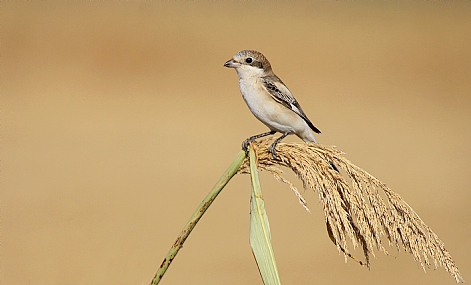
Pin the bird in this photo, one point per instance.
(269, 100)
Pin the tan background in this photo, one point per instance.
(118, 117)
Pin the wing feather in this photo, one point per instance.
(281, 94)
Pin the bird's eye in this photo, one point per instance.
(248, 60)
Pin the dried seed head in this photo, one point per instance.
(354, 210)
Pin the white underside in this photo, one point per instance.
(273, 114)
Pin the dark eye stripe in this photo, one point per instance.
(257, 64)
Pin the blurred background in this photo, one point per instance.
(117, 118)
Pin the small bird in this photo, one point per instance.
(270, 100)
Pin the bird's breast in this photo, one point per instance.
(274, 115)
(257, 98)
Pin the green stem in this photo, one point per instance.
(230, 172)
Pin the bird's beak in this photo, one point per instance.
(231, 64)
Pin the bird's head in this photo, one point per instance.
(250, 63)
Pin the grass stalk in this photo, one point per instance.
(177, 245)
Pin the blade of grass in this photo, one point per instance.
(260, 236)
(177, 245)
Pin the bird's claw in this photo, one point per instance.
(272, 150)
(245, 145)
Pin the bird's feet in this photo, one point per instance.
(245, 145)
(272, 150)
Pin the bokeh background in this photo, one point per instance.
(117, 118)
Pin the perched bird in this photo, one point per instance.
(269, 99)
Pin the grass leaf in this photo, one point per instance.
(260, 237)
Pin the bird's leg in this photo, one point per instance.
(245, 144)
(272, 148)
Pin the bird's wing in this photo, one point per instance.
(281, 94)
